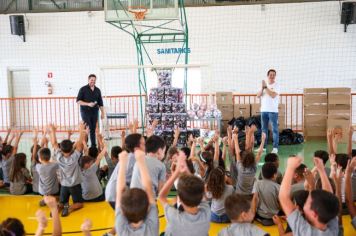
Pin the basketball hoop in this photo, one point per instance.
(138, 11)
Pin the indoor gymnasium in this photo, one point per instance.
(178, 117)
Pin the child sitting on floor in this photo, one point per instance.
(267, 191)
(47, 171)
(195, 219)
(218, 190)
(241, 213)
(20, 178)
(91, 187)
(136, 209)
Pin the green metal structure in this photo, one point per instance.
(160, 30)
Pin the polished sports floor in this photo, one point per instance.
(102, 215)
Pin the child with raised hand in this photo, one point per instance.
(42, 220)
(69, 169)
(320, 209)
(20, 178)
(35, 161)
(136, 210)
(246, 165)
(218, 191)
(47, 171)
(195, 219)
(155, 149)
(8, 155)
(240, 210)
(91, 187)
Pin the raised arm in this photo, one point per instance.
(286, 185)
(181, 167)
(325, 183)
(52, 204)
(79, 143)
(44, 140)
(35, 143)
(7, 136)
(101, 155)
(349, 143)
(17, 141)
(121, 179)
(176, 137)
(351, 165)
(145, 176)
(330, 141)
(42, 222)
(216, 148)
(237, 146)
(225, 146)
(53, 130)
(260, 149)
(337, 177)
(123, 137)
(86, 227)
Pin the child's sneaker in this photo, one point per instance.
(42, 203)
(275, 150)
(65, 211)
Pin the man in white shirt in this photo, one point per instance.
(269, 95)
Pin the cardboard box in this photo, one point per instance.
(224, 98)
(342, 112)
(339, 96)
(315, 120)
(243, 110)
(315, 132)
(255, 109)
(315, 90)
(227, 111)
(321, 109)
(341, 127)
(315, 96)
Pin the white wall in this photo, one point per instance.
(305, 42)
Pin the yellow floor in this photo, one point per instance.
(102, 215)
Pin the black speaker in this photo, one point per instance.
(17, 25)
(348, 13)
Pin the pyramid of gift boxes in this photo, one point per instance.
(166, 105)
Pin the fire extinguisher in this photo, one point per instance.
(49, 88)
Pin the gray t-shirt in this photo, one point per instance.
(69, 169)
(18, 187)
(35, 177)
(91, 187)
(183, 223)
(245, 178)
(6, 165)
(300, 227)
(157, 171)
(218, 205)
(110, 189)
(268, 204)
(48, 181)
(111, 165)
(149, 227)
(243, 229)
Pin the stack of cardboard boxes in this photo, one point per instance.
(339, 111)
(225, 103)
(315, 112)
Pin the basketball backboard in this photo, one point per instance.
(129, 10)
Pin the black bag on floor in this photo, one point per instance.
(289, 137)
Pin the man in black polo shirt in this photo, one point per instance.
(90, 100)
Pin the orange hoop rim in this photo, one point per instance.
(138, 11)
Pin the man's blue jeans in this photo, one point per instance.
(266, 117)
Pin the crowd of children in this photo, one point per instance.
(215, 181)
